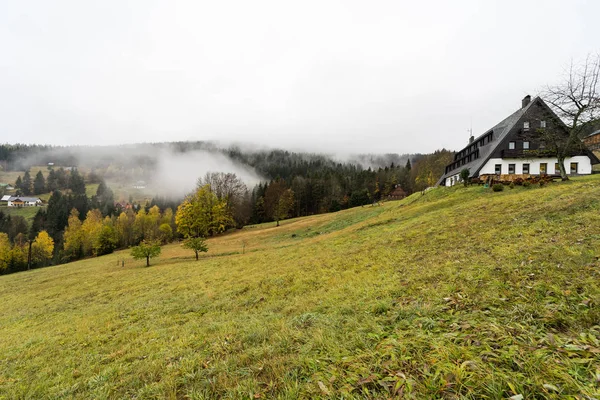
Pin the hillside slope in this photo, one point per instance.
(460, 293)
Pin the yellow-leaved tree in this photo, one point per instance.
(202, 214)
(73, 237)
(42, 248)
(4, 251)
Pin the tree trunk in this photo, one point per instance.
(147, 261)
(196, 255)
(278, 221)
(561, 167)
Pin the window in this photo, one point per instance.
(525, 145)
(573, 168)
(556, 168)
(511, 145)
(511, 168)
(543, 168)
(526, 168)
(526, 125)
(498, 170)
(542, 124)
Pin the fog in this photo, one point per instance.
(177, 174)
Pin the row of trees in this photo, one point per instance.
(23, 254)
(56, 179)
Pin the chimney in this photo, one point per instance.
(526, 100)
(471, 139)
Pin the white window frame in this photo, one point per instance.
(526, 125)
(542, 124)
(511, 145)
(526, 145)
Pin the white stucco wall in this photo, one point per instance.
(584, 166)
(452, 180)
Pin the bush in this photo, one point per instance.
(526, 184)
(512, 185)
(498, 187)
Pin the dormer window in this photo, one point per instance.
(526, 125)
(511, 145)
(542, 124)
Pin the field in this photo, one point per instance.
(458, 293)
(27, 212)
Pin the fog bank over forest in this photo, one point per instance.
(172, 169)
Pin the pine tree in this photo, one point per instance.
(76, 183)
(39, 183)
(26, 185)
(51, 181)
(19, 185)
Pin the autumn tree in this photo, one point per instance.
(197, 244)
(202, 214)
(42, 248)
(279, 200)
(91, 228)
(231, 189)
(73, 237)
(5, 249)
(124, 227)
(165, 233)
(146, 250)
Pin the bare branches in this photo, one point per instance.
(577, 99)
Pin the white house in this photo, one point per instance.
(512, 148)
(20, 201)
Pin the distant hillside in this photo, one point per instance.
(458, 293)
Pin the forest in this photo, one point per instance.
(73, 225)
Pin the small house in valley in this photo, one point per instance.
(512, 149)
(20, 201)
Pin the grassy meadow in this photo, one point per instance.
(26, 212)
(461, 293)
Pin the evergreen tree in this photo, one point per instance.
(19, 184)
(76, 183)
(57, 214)
(26, 185)
(52, 181)
(39, 183)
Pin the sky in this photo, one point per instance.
(326, 76)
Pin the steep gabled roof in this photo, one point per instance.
(500, 130)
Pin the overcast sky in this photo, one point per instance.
(348, 76)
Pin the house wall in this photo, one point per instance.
(452, 180)
(584, 166)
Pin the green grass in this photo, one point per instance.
(27, 212)
(460, 293)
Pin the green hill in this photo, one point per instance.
(459, 293)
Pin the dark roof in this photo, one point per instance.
(500, 130)
(593, 134)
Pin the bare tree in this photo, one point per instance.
(577, 102)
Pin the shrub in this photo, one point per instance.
(498, 187)
(512, 185)
(519, 181)
(526, 184)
